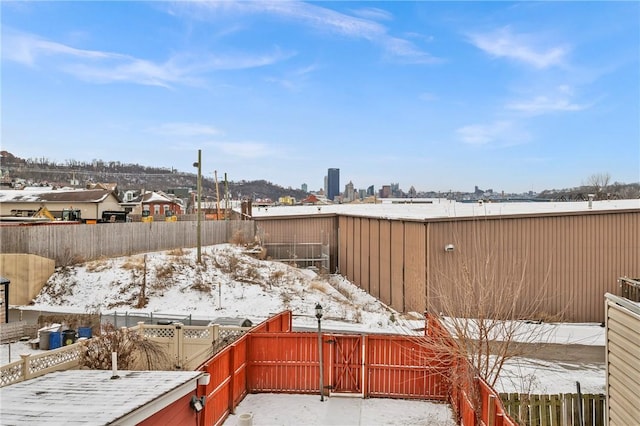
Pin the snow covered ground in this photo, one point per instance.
(232, 283)
(308, 410)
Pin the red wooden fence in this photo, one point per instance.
(272, 358)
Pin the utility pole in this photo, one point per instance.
(226, 198)
(199, 190)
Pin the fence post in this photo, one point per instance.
(215, 333)
(491, 414)
(232, 379)
(178, 341)
(25, 366)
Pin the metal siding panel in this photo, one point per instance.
(374, 258)
(397, 266)
(385, 261)
(415, 256)
(342, 249)
(349, 248)
(365, 255)
(357, 252)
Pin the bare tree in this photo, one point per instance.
(598, 182)
(484, 297)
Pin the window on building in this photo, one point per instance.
(156, 209)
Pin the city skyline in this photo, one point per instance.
(440, 96)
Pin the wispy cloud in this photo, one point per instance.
(107, 67)
(373, 13)
(27, 49)
(545, 104)
(504, 133)
(526, 48)
(319, 18)
(560, 100)
(185, 129)
(293, 80)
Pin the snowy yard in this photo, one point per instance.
(230, 283)
(308, 410)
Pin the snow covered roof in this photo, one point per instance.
(50, 195)
(92, 396)
(447, 209)
(154, 197)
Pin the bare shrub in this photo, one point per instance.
(227, 262)
(319, 286)
(134, 351)
(164, 271)
(98, 265)
(177, 252)
(286, 298)
(68, 258)
(357, 315)
(133, 264)
(239, 238)
(276, 277)
(199, 284)
(252, 273)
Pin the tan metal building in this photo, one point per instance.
(563, 256)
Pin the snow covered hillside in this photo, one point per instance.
(229, 282)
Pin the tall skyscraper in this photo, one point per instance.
(333, 183)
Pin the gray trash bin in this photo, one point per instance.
(43, 336)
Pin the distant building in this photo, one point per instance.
(395, 190)
(385, 191)
(304, 187)
(286, 200)
(333, 183)
(349, 192)
(371, 191)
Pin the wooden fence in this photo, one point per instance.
(271, 358)
(629, 289)
(73, 243)
(556, 410)
(14, 331)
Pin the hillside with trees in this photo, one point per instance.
(129, 177)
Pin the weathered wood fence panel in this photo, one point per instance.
(13, 331)
(69, 244)
(555, 410)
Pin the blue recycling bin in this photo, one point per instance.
(55, 339)
(84, 332)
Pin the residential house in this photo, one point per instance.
(156, 203)
(90, 202)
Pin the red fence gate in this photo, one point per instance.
(346, 364)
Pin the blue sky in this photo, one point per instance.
(438, 95)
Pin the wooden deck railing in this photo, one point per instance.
(187, 347)
(629, 289)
